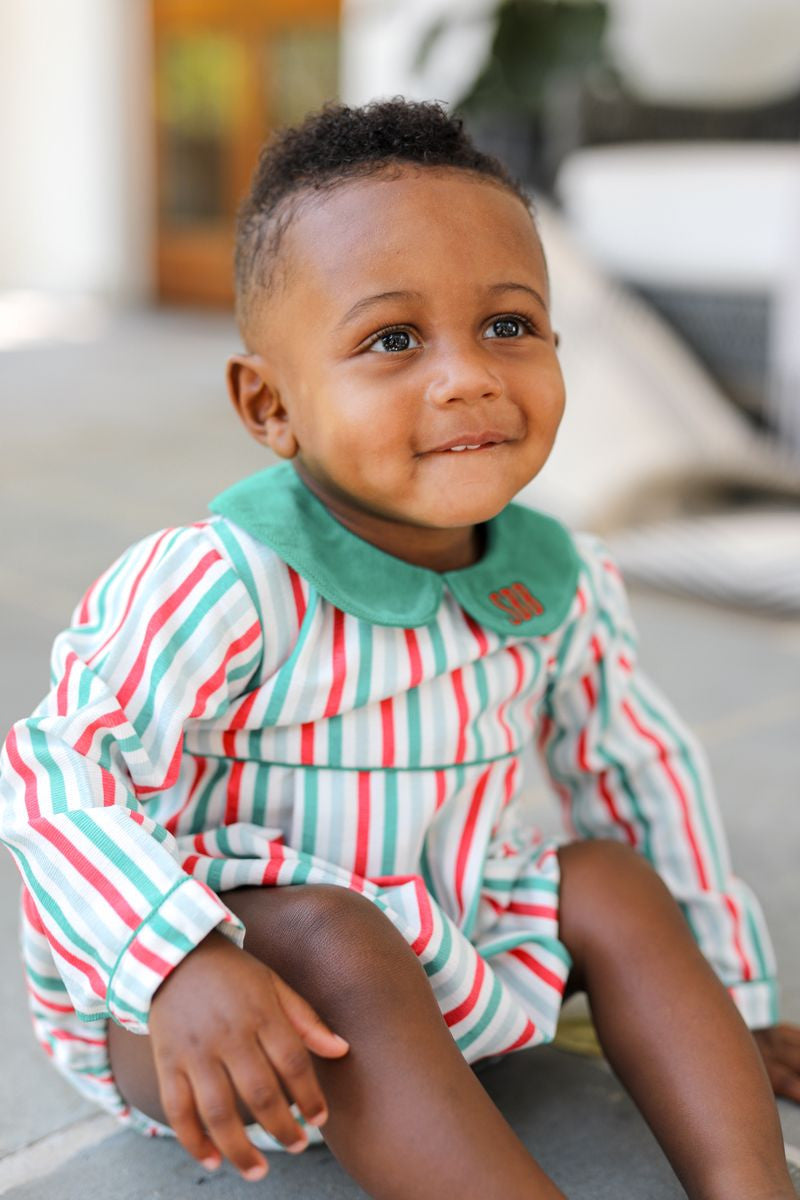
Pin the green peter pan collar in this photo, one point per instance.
(523, 584)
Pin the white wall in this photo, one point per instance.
(74, 145)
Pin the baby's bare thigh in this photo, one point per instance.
(315, 936)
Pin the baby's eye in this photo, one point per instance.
(507, 327)
(394, 340)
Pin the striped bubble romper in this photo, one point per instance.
(263, 698)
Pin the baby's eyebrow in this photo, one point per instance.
(369, 301)
(509, 286)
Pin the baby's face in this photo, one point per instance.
(413, 317)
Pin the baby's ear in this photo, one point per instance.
(258, 403)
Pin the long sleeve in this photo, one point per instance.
(626, 767)
(168, 634)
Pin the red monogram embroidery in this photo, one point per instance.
(518, 602)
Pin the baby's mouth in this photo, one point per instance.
(470, 442)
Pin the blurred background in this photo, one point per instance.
(661, 142)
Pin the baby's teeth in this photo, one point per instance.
(458, 447)
(477, 446)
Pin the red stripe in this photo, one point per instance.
(663, 758)
(602, 776)
(106, 721)
(64, 1035)
(461, 703)
(109, 789)
(747, 971)
(49, 1004)
(441, 789)
(217, 679)
(508, 781)
(189, 863)
(517, 657)
(533, 910)
(467, 834)
(131, 597)
(25, 774)
(173, 771)
(171, 824)
(160, 618)
(63, 687)
(387, 730)
(232, 793)
(83, 615)
(89, 871)
(479, 634)
(465, 1008)
(545, 726)
(528, 1032)
(362, 829)
(32, 912)
(95, 982)
(148, 959)
(425, 910)
(307, 743)
(277, 857)
(297, 592)
(339, 665)
(237, 722)
(543, 972)
(414, 658)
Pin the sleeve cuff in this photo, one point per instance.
(757, 1002)
(180, 922)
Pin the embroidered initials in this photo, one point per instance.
(518, 602)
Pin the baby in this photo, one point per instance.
(278, 871)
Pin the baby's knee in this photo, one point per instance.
(607, 888)
(332, 945)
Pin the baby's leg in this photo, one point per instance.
(669, 1028)
(408, 1119)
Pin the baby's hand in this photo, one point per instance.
(780, 1049)
(223, 1023)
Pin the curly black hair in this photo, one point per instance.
(336, 144)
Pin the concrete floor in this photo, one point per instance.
(108, 439)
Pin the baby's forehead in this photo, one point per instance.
(400, 222)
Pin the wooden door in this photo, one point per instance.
(226, 73)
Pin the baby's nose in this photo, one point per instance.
(462, 376)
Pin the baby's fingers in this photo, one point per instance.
(312, 1029)
(216, 1105)
(181, 1113)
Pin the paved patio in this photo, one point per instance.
(107, 439)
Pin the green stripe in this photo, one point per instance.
(389, 826)
(200, 809)
(84, 821)
(672, 734)
(164, 660)
(46, 901)
(101, 595)
(511, 941)
(260, 794)
(763, 970)
(483, 704)
(491, 1008)
(308, 834)
(46, 981)
(443, 953)
(39, 745)
(414, 729)
(447, 766)
(335, 740)
(530, 881)
(283, 678)
(364, 664)
(237, 556)
(439, 652)
(214, 874)
(84, 688)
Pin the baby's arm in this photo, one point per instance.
(627, 768)
(168, 635)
